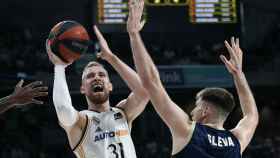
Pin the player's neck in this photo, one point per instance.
(99, 107)
(217, 124)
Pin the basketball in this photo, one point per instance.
(68, 40)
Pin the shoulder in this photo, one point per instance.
(83, 119)
(179, 143)
(84, 112)
(88, 113)
(120, 107)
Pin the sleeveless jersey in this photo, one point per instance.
(107, 135)
(207, 142)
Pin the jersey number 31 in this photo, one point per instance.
(116, 150)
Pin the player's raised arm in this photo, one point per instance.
(137, 100)
(23, 95)
(246, 127)
(66, 113)
(175, 118)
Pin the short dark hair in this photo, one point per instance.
(219, 97)
(91, 64)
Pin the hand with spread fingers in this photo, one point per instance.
(134, 23)
(24, 95)
(234, 64)
(105, 52)
(27, 94)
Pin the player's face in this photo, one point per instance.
(198, 113)
(96, 84)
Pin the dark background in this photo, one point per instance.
(33, 131)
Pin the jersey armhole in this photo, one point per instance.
(239, 144)
(191, 133)
(188, 139)
(123, 112)
(83, 134)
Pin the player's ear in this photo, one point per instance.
(82, 89)
(206, 110)
(110, 87)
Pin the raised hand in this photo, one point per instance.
(27, 94)
(134, 23)
(53, 58)
(105, 52)
(234, 64)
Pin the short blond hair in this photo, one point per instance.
(92, 64)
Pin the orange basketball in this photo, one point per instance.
(68, 40)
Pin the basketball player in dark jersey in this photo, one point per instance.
(202, 135)
(23, 95)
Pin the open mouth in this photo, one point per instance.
(97, 88)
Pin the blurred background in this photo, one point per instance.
(184, 39)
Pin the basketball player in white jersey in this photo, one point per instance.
(23, 95)
(203, 136)
(102, 131)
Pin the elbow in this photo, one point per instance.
(254, 117)
(257, 118)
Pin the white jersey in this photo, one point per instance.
(107, 135)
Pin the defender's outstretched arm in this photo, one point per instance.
(175, 118)
(246, 127)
